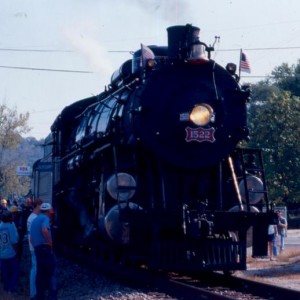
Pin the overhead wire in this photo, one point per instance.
(128, 51)
(45, 69)
(33, 50)
(261, 49)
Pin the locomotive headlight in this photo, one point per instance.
(121, 186)
(201, 114)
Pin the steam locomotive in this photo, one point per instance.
(151, 169)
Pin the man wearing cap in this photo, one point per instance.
(41, 239)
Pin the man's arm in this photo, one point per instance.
(47, 235)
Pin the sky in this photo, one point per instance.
(55, 52)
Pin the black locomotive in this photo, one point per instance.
(149, 170)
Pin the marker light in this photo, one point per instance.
(151, 63)
(201, 114)
(231, 68)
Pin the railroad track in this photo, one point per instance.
(229, 287)
(211, 285)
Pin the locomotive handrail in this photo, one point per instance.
(128, 86)
(233, 174)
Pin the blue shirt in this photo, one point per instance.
(36, 232)
(8, 237)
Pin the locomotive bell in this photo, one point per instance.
(180, 39)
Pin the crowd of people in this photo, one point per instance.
(29, 221)
(32, 221)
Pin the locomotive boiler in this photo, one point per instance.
(151, 169)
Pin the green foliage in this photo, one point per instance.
(12, 125)
(15, 151)
(13, 185)
(287, 78)
(273, 122)
(25, 154)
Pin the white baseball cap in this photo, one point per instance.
(45, 206)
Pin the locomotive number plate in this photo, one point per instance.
(200, 134)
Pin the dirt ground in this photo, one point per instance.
(284, 271)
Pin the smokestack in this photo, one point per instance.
(180, 39)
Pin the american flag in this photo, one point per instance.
(245, 64)
(146, 54)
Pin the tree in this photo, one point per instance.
(287, 78)
(14, 185)
(12, 126)
(25, 154)
(273, 124)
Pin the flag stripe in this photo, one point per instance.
(245, 64)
